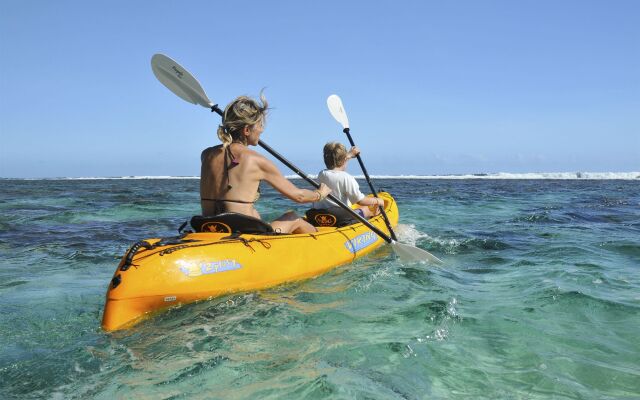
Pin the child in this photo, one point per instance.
(342, 185)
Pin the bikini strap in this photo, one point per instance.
(230, 161)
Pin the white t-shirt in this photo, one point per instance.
(342, 185)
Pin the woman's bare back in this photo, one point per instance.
(229, 182)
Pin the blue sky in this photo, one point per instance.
(429, 87)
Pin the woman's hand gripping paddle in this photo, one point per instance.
(404, 251)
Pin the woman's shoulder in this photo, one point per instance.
(248, 155)
(209, 151)
(252, 159)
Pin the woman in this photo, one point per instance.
(231, 173)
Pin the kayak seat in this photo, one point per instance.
(231, 223)
(330, 217)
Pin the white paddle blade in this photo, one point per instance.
(337, 110)
(179, 80)
(413, 254)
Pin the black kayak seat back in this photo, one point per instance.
(231, 223)
(330, 217)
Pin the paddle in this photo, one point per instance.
(184, 85)
(337, 111)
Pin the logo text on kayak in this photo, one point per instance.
(361, 241)
(192, 269)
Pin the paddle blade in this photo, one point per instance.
(179, 80)
(337, 110)
(413, 254)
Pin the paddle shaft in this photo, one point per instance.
(316, 185)
(373, 190)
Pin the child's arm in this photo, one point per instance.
(371, 201)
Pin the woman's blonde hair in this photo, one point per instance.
(335, 154)
(243, 111)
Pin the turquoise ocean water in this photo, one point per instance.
(539, 298)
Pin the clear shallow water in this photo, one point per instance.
(539, 298)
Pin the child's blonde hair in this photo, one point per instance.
(335, 154)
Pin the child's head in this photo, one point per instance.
(335, 155)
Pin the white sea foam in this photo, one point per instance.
(408, 234)
(509, 175)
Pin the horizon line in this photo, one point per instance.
(631, 175)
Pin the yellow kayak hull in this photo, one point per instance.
(207, 265)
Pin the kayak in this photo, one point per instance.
(157, 274)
